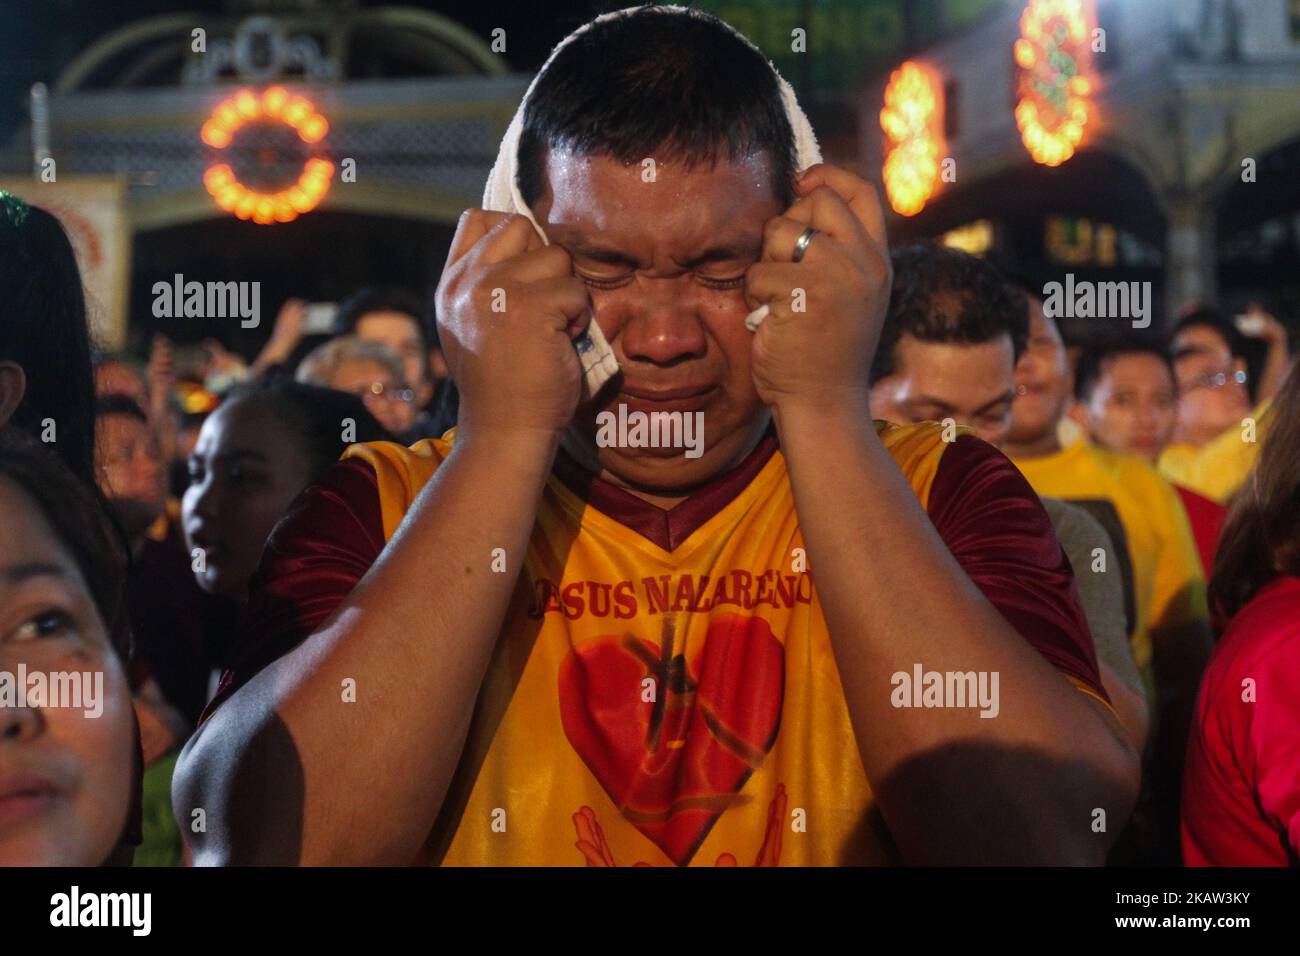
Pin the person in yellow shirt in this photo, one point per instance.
(1126, 400)
(1171, 636)
(1217, 432)
(948, 354)
(522, 644)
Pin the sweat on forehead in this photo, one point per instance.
(574, 179)
(688, 212)
(659, 184)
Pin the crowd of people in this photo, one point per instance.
(347, 611)
(193, 467)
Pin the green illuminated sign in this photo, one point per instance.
(844, 39)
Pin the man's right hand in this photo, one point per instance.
(509, 308)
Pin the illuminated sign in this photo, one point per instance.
(275, 105)
(1053, 59)
(1081, 242)
(974, 237)
(912, 120)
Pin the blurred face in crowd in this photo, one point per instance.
(665, 268)
(1212, 395)
(1042, 380)
(401, 333)
(388, 399)
(118, 378)
(132, 475)
(1132, 405)
(932, 381)
(65, 776)
(246, 469)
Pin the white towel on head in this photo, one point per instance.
(501, 193)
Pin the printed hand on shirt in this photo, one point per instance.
(593, 845)
(821, 355)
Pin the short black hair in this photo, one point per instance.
(658, 83)
(314, 414)
(1218, 320)
(378, 299)
(942, 294)
(1090, 366)
(114, 404)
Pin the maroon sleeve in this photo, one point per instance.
(324, 545)
(996, 527)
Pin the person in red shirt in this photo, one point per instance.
(1241, 786)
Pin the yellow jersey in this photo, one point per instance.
(1218, 469)
(1165, 586)
(664, 690)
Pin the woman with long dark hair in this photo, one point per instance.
(47, 400)
(1241, 786)
(46, 386)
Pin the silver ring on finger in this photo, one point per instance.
(801, 244)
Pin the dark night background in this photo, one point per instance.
(328, 254)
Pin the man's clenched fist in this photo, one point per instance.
(509, 308)
(826, 310)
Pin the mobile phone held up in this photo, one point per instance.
(320, 318)
(1250, 323)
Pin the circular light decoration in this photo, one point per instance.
(275, 105)
(1053, 85)
(911, 120)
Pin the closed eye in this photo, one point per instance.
(605, 283)
(713, 283)
(707, 281)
